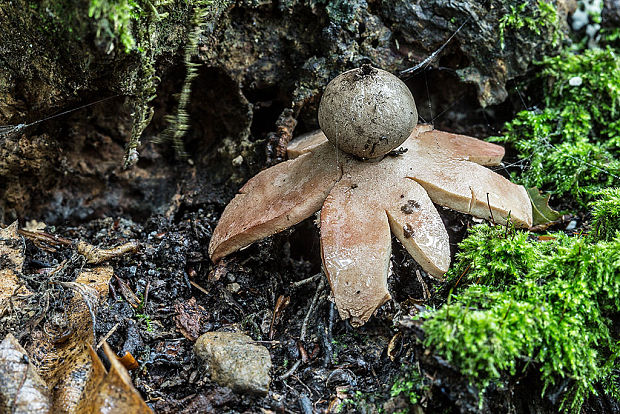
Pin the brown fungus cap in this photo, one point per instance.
(367, 112)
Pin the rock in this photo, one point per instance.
(235, 361)
(610, 14)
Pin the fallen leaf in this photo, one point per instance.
(22, 390)
(115, 393)
(189, 318)
(541, 212)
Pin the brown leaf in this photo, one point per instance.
(129, 361)
(189, 318)
(62, 356)
(97, 255)
(22, 390)
(115, 393)
(11, 263)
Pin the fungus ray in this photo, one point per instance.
(465, 186)
(275, 199)
(356, 249)
(414, 220)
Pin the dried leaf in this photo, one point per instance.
(12, 290)
(541, 212)
(63, 358)
(188, 318)
(115, 393)
(129, 361)
(97, 255)
(395, 345)
(22, 390)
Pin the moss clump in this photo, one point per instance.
(545, 305)
(532, 16)
(606, 215)
(411, 385)
(570, 145)
(114, 19)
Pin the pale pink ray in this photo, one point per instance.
(276, 199)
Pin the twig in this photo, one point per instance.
(200, 288)
(428, 60)
(490, 211)
(146, 294)
(305, 281)
(426, 292)
(109, 334)
(462, 274)
(304, 326)
(291, 371)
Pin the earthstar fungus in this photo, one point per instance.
(363, 201)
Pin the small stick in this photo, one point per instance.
(462, 274)
(305, 281)
(428, 60)
(146, 294)
(41, 236)
(304, 326)
(109, 334)
(200, 288)
(490, 211)
(291, 371)
(427, 293)
(7, 130)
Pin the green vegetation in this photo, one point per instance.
(360, 402)
(147, 321)
(534, 16)
(114, 17)
(530, 304)
(411, 385)
(571, 143)
(606, 215)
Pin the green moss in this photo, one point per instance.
(111, 20)
(524, 303)
(570, 146)
(410, 384)
(533, 16)
(606, 214)
(114, 19)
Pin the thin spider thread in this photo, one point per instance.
(11, 130)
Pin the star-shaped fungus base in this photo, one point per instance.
(362, 201)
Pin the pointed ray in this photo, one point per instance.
(415, 222)
(275, 199)
(457, 146)
(463, 185)
(355, 247)
(462, 147)
(305, 143)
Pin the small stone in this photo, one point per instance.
(234, 287)
(237, 161)
(575, 81)
(235, 361)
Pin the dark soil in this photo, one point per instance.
(68, 173)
